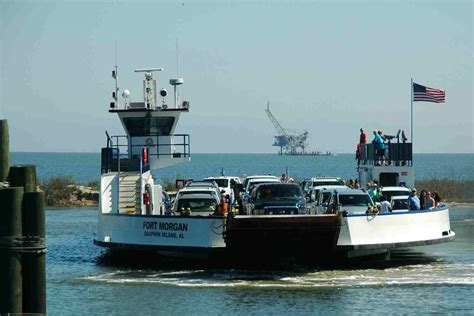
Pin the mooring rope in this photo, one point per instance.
(23, 244)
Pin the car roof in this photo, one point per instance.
(220, 177)
(348, 190)
(201, 184)
(400, 197)
(198, 196)
(262, 176)
(276, 180)
(208, 188)
(278, 184)
(324, 178)
(329, 187)
(395, 189)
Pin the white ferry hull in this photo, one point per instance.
(166, 235)
(363, 234)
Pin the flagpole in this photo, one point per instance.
(411, 88)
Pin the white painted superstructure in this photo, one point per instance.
(131, 210)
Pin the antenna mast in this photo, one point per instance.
(115, 76)
(176, 81)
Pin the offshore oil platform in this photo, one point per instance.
(291, 142)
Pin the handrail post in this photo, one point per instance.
(141, 179)
(118, 179)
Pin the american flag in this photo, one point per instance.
(427, 94)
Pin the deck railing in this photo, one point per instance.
(118, 148)
(397, 154)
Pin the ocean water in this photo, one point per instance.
(423, 280)
(85, 167)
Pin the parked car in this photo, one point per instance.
(390, 192)
(224, 184)
(349, 200)
(196, 204)
(249, 179)
(277, 199)
(194, 184)
(252, 183)
(210, 191)
(308, 184)
(399, 203)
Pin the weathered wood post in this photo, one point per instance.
(10, 256)
(22, 236)
(23, 176)
(4, 150)
(34, 260)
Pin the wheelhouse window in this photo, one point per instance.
(144, 126)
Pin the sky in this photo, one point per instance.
(328, 67)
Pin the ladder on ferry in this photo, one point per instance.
(129, 193)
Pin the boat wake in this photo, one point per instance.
(437, 273)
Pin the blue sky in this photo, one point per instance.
(329, 67)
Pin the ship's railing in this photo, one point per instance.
(120, 152)
(396, 154)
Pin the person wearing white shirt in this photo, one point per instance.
(385, 205)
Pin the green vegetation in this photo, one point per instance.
(63, 191)
(449, 190)
(168, 184)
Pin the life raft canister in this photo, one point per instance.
(146, 198)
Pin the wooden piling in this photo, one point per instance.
(10, 259)
(4, 150)
(34, 261)
(23, 176)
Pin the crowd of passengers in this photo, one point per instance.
(426, 201)
(381, 142)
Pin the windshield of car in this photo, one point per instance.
(278, 192)
(400, 204)
(252, 185)
(220, 182)
(196, 205)
(354, 200)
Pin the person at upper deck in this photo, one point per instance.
(413, 201)
(379, 146)
(385, 205)
(362, 140)
(363, 137)
(429, 202)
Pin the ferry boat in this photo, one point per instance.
(131, 213)
(371, 233)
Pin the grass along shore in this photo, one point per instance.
(64, 191)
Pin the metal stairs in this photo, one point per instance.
(129, 193)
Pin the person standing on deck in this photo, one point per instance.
(379, 147)
(413, 201)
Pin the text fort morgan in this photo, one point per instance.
(155, 225)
